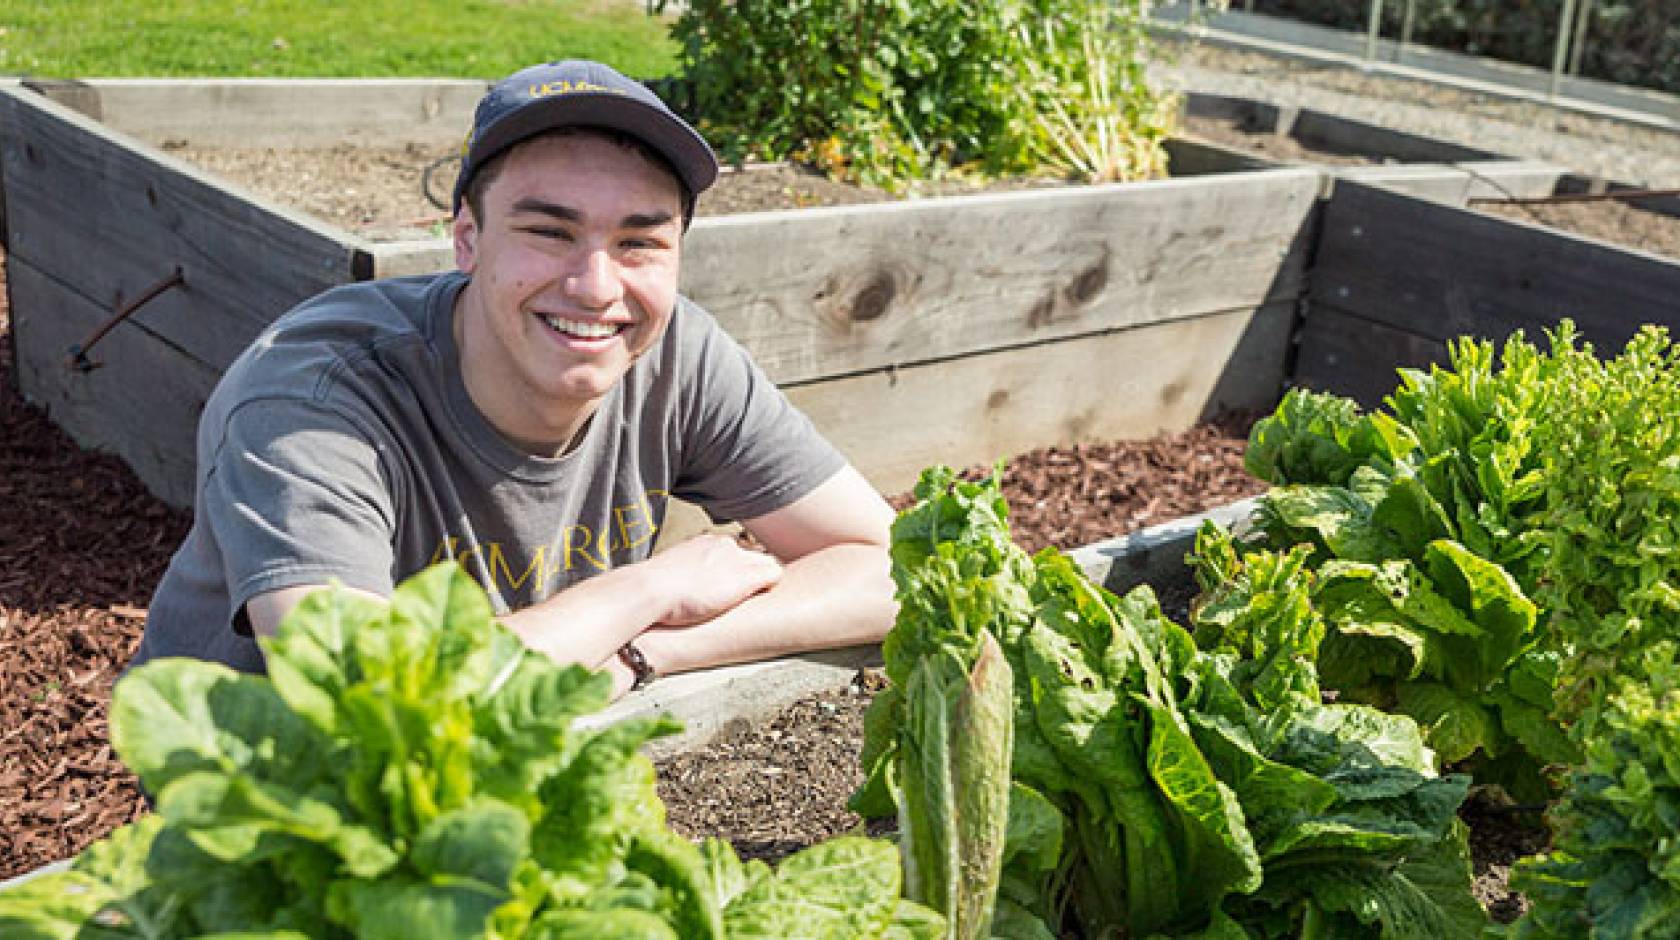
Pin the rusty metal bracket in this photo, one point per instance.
(78, 359)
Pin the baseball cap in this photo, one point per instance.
(578, 92)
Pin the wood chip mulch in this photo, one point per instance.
(1085, 493)
(82, 544)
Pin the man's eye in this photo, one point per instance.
(545, 231)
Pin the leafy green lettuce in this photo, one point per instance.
(1428, 534)
(410, 770)
(1614, 869)
(1155, 789)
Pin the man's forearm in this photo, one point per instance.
(589, 621)
(836, 597)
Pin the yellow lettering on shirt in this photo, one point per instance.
(578, 540)
(501, 572)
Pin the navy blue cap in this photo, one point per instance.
(577, 92)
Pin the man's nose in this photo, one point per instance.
(595, 284)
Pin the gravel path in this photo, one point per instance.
(1596, 146)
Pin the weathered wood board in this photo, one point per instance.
(109, 219)
(1438, 271)
(1124, 384)
(1352, 356)
(828, 292)
(1330, 132)
(1457, 184)
(275, 112)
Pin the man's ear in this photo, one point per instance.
(465, 234)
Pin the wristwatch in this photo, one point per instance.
(638, 664)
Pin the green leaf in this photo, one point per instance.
(618, 924)
(686, 894)
(175, 717)
(1454, 725)
(845, 887)
(482, 841)
(954, 808)
(725, 876)
(1034, 836)
(402, 909)
(109, 876)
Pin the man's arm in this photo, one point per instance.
(589, 621)
(708, 602)
(836, 589)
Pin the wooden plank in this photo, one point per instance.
(1189, 155)
(1439, 271)
(107, 216)
(1124, 384)
(825, 292)
(1348, 355)
(1457, 184)
(1344, 135)
(278, 112)
(1259, 117)
(142, 405)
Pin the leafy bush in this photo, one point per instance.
(889, 92)
(1632, 41)
(1152, 789)
(411, 770)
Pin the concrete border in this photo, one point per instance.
(1324, 45)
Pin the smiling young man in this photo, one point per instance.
(530, 415)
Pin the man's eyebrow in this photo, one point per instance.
(567, 214)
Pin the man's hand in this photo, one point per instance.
(707, 575)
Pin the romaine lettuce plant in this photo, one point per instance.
(1155, 790)
(411, 770)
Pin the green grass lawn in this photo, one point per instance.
(350, 38)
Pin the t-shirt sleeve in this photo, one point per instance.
(746, 450)
(298, 494)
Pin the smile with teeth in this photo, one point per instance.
(583, 329)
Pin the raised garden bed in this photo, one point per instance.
(864, 313)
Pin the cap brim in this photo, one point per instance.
(687, 152)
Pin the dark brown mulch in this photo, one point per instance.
(84, 544)
(1084, 493)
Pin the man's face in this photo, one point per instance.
(574, 276)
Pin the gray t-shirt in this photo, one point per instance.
(343, 444)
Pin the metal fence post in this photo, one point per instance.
(1406, 22)
(1373, 28)
(1581, 24)
(1566, 22)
